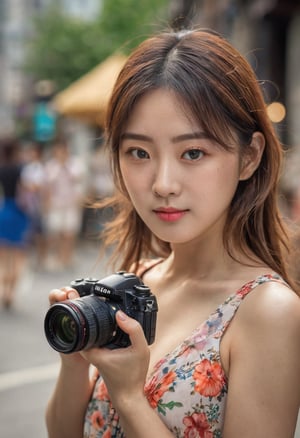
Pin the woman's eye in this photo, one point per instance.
(140, 154)
(193, 154)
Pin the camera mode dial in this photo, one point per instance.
(141, 290)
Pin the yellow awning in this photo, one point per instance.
(87, 98)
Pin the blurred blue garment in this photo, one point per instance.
(14, 223)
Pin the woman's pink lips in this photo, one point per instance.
(169, 214)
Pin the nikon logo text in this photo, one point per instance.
(102, 290)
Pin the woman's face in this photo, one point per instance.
(180, 182)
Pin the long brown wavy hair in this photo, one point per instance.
(218, 88)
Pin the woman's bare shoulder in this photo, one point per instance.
(269, 316)
(264, 348)
(272, 302)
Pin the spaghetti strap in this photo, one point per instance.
(147, 264)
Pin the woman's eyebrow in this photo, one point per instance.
(190, 136)
(133, 136)
(176, 139)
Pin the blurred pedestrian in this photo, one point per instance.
(65, 189)
(100, 185)
(14, 222)
(33, 186)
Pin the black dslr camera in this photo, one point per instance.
(89, 321)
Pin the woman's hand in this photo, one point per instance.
(124, 370)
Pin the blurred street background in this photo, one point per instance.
(28, 365)
(58, 63)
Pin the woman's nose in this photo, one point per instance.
(166, 181)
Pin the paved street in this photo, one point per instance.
(28, 366)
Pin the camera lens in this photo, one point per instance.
(80, 324)
(66, 327)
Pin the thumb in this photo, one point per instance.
(133, 328)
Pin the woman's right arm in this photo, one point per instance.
(67, 406)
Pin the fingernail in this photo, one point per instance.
(122, 315)
(72, 295)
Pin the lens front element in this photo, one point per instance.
(66, 329)
(80, 324)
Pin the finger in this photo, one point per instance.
(70, 292)
(57, 295)
(65, 293)
(133, 328)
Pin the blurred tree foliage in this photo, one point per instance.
(63, 48)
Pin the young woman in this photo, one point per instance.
(196, 166)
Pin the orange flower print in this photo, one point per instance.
(107, 434)
(209, 378)
(197, 426)
(245, 289)
(159, 364)
(155, 389)
(97, 420)
(102, 393)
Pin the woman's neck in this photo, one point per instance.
(206, 261)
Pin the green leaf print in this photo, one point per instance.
(162, 407)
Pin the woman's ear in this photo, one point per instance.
(252, 156)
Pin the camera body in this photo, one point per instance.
(89, 321)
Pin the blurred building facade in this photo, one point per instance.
(13, 30)
(267, 32)
(16, 26)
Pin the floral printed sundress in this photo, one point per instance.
(188, 387)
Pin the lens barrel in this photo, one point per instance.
(79, 324)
